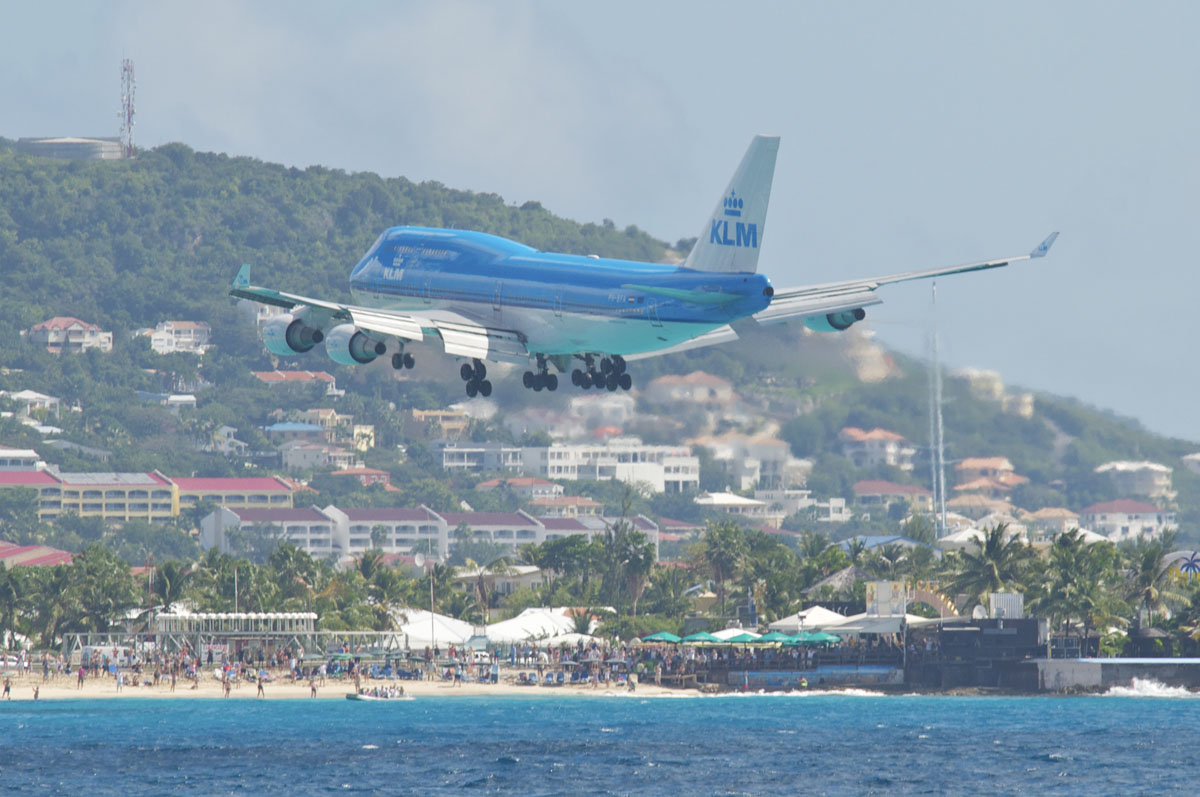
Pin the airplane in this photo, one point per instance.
(488, 298)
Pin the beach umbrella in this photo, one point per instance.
(802, 638)
(742, 639)
(699, 636)
(661, 636)
(822, 638)
(774, 636)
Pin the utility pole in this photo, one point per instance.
(937, 447)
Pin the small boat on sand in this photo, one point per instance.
(376, 698)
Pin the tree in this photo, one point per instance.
(170, 583)
(1000, 565)
(1150, 587)
(1079, 585)
(14, 602)
(722, 550)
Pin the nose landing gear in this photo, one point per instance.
(475, 375)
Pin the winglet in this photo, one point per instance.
(242, 280)
(1044, 246)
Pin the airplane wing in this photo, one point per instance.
(461, 335)
(834, 297)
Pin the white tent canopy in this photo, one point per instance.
(877, 624)
(420, 631)
(810, 618)
(532, 624)
(730, 633)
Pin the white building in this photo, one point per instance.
(1192, 462)
(764, 512)
(752, 461)
(479, 457)
(670, 469)
(1147, 479)
(300, 455)
(335, 531)
(876, 447)
(178, 336)
(20, 459)
(1126, 520)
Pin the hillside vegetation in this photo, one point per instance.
(127, 244)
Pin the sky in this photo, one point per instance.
(913, 135)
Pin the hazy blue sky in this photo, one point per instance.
(914, 135)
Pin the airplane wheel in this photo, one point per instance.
(466, 372)
(585, 379)
(485, 388)
(612, 382)
(626, 381)
(537, 383)
(551, 382)
(599, 381)
(619, 364)
(397, 361)
(480, 371)
(527, 379)
(605, 365)
(472, 388)
(575, 376)
(409, 362)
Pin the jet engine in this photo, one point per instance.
(835, 322)
(349, 345)
(286, 335)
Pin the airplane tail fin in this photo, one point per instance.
(730, 240)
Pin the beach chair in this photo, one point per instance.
(560, 679)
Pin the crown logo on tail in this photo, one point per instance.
(733, 205)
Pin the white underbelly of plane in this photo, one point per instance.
(546, 331)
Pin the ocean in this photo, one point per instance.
(1135, 740)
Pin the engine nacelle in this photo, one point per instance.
(835, 322)
(349, 345)
(286, 335)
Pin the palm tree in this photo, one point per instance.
(1078, 585)
(722, 551)
(171, 581)
(1150, 587)
(14, 601)
(999, 565)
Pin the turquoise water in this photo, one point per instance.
(746, 744)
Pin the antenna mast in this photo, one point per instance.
(937, 448)
(127, 89)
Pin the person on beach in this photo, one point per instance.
(260, 688)
(312, 688)
(8, 688)
(35, 693)
(82, 675)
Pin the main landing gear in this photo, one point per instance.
(610, 375)
(542, 379)
(474, 375)
(402, 360)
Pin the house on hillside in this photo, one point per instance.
(524, 487)
(300, 378)
(759, 460)
(1046, 524)
(876, 495)
(1126, 519)
(64, 333)
(1145, 479)
(876, 447)
(696, 388)
(178, 336)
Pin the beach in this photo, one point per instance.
(65, 687)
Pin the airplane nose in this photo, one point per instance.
(768, 291)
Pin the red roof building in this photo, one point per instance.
(12, 555)
(881, 493)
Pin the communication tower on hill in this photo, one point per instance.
(127, 87)
(937, 443)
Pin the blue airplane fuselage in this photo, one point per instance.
(563, 304)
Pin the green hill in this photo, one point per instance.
(127, 244)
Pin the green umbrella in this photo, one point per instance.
(802, 638)
(774, 636)
(700, 636)
(742, 639)
(823, 638)
(661, 636)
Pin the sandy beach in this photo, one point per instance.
(65, 688)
